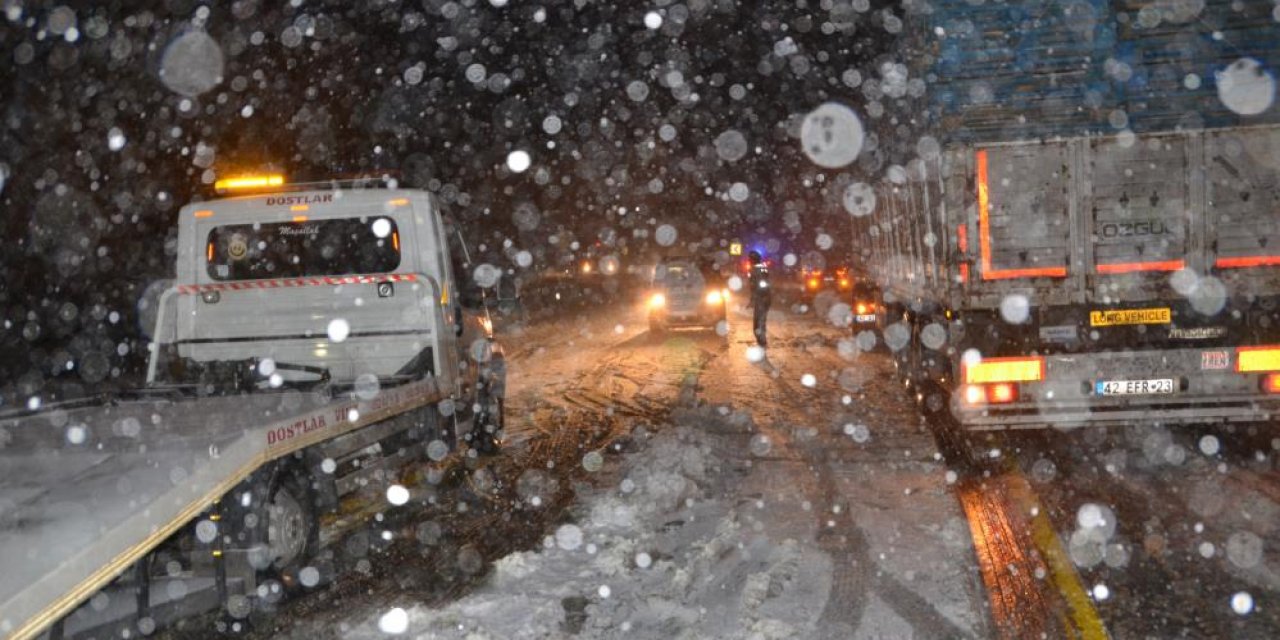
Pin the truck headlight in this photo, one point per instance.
(657, 301)
(714, 297)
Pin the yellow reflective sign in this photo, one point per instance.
(735, 248)
(1157, 315)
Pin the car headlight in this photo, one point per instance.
(714, 297)
(657, 301)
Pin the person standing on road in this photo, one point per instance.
(761, 297)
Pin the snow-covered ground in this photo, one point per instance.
(730, 522)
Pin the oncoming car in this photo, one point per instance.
(684, 295)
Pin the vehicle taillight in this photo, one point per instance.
(1271, 383)
(813, 283)
(1004, 370)
(1256, 359)
(974, 394)
(863, 309)
(1000, 393)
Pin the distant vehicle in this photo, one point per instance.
(684, 295)
(509, 300)
(815, 281)
(864, 302)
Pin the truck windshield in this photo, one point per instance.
(340, 246)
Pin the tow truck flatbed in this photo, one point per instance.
(87, 492)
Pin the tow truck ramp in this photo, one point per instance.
(74, 516)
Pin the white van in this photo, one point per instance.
(313, 283)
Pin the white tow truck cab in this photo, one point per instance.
(292, 284)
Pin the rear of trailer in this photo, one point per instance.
(1098, 240)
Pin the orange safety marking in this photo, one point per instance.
(294, 282)
(984, 235)
(1130, 267)
(1247, 261)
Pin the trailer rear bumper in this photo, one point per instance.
(1040, 418)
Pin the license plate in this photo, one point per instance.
(1111, 317)
(1133, 387)
(865, 317)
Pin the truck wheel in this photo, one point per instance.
(486, 429)
(292, 535)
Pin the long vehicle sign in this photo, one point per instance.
(1112, 317)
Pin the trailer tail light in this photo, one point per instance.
(1002, 393)
(1257, 359)
(1271, 383)
(976, 395)
(1004, 370)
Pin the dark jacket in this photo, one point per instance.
(761, 288)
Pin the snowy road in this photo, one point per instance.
(667, 486)
(800, 497)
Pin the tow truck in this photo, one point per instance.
(316, 355)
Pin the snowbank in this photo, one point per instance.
(663, 554)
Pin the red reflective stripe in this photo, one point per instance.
(1247, 261)
(984, 235)
(292, 282)
(1041, 272)
(1130, 267)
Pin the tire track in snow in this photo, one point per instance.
(781, 410)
